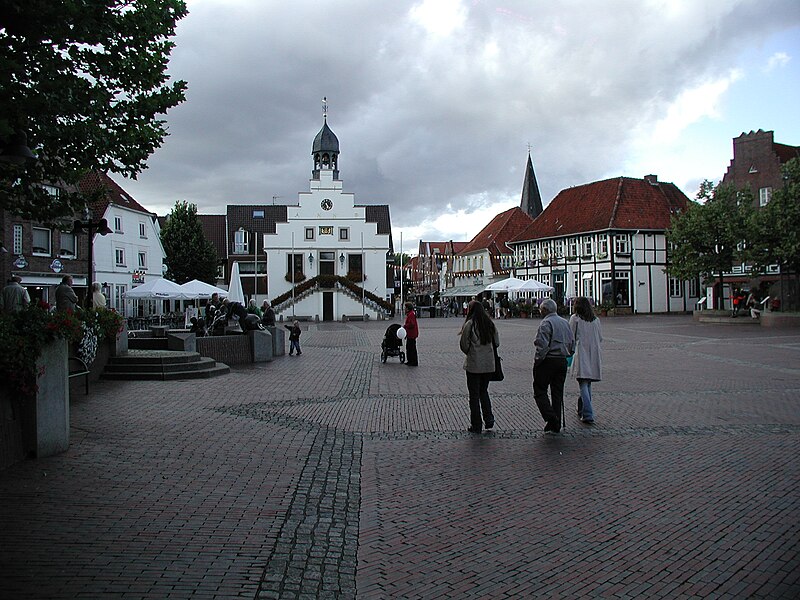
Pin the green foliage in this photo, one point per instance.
(86, 81)
(189, 255)
(775, 228)
(23, 335)
(710, 237)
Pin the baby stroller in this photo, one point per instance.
(391, 346)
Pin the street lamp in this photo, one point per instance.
(90, 227)
(16, 150)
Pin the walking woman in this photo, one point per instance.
(477, 336)
(588, 360)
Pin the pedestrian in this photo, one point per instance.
(478, 335)
(752, 304)
(252, 309)
(14, 297)
(267, 314)
(553, 343)
(65, 295)
(587, 364)
(294, 337)
(412, 333)
(98, 297)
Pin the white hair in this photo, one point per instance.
(548, 306)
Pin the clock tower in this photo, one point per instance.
(325, 148)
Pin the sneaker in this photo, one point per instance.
(588, 421)
(490, 425)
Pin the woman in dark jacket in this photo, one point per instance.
(477, 336)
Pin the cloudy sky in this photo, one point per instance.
(436, 102)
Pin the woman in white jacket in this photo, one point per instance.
(587, 363)
(477, 336)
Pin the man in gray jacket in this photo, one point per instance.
(554, 343)
(14, 297)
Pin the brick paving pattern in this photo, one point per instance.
(331, 475)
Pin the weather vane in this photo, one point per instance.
(325, 107)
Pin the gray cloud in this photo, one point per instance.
(424, 121)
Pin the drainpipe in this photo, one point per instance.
(635, 282)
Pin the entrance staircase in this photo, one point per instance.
(162, 365)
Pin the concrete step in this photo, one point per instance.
(214, 371)
(154, 357)
(200, 364)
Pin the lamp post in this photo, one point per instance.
(90, 227)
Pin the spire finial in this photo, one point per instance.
(529, 147)
(325, 108)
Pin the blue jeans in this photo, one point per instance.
(586, 397)
(294, 345)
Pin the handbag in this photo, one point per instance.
(497, 375)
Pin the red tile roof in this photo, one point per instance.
(620, 203)
(504, 227)
(94, 181)
(786, 153)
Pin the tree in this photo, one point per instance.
(85, 81)
(710, 237)
(189, 254)
(775, 231)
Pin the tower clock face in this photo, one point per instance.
(326, 204)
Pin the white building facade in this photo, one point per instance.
(325, 258)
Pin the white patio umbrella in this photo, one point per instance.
(531, 285)
(200, 290)
(509, 284)
(162, 289)
(235, 291)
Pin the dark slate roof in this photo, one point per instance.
(504, 227)
(531, 201)
(620, 203)
(326, 141)
(214, 232)
(241, 215)
(95, 181)
(785, 152)
(379, 213)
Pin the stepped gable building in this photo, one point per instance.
(531, 201)
(757, 162)
(132, 254)
(486, 257)
(606, 240)
(325, 257)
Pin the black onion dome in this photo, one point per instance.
(326, 141)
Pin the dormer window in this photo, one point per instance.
(753, 169)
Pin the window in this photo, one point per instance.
(220, 271)
(119, 298)
(294, 264)
(52, 190)
(344, 233)
(143, 230)
(17, 239)
(603, 252)
(764, 196)
(41, 241)
(694, 288)
(119, 255)
(310, 233)
(117, 224)
(240, 242)
(558, 248)
(675, 287)
(143, 260)
(258, 213)
(573, 247)
(68, 245)
(587, 245)
(622, 244)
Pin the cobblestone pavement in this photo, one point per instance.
(331, 475)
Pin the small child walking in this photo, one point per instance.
(294, 337)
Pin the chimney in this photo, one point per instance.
(651, 179)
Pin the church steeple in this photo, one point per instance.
(531, 201)
(325, 148)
